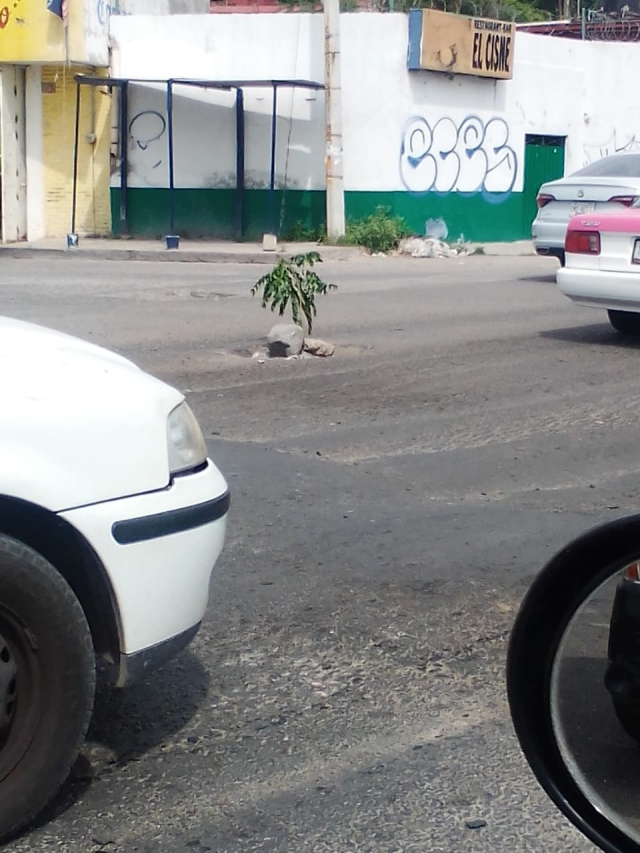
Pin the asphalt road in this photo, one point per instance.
(390, 507)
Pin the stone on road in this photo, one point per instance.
(323, 349)
(285, 340)
(390, 507)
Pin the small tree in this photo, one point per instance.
(293, 283)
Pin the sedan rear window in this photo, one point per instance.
(616, 166)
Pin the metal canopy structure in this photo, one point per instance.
(122, 84)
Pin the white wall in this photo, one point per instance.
(402, 130)
(96, 32)
(208, 48)
(13, 203)
(35, 173)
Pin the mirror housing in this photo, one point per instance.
(544, 616)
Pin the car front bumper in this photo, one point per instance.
(617, 291)
(158, 550)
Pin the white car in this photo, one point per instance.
(608, 185)
(111, 520)
(603, 266)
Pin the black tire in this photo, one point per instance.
(47, 683)
(625, 322)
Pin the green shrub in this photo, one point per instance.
(300, 232)
(378, 232)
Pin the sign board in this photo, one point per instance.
(457, 44)
(50, 31)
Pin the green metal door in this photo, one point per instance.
(543, 161)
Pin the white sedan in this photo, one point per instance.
(111, 520)
(603, 266)
(608, 185)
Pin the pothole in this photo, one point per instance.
(210, 294)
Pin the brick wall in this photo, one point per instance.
(58, 127)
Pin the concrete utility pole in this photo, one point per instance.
(333, 120)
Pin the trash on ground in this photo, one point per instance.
(436, 228)
(429, 247)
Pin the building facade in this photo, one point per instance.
(468, 143)
(470, 150)
(43, 43)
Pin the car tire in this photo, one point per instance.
(47, 683)
(625, 322)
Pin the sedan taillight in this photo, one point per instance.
(543, 199)
(626, 200)
(582, 242)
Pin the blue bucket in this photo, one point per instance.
(172, 241)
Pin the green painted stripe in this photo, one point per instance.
(472, 216)
(209, 213)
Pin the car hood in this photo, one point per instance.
(79, 424)
(20, 340)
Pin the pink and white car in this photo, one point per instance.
(603, 266)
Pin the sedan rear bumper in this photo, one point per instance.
(616, 291)
(548, 236)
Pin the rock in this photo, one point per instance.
(285, 340)
(476, 824)
(314, 346)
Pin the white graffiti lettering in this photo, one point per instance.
(472, 157)
(614, 145)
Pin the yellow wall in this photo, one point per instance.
(58, 127)
(30, 33)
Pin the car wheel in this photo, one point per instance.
(626, 322)
(47, 682)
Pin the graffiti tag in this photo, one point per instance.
(4, 17)
(105, 9)
(472, 157)
(146, 150)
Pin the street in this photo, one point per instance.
(390, 506)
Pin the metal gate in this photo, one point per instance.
(543, 161)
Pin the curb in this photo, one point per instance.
(164, 255)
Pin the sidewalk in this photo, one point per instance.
(196, 251)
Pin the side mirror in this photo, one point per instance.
(573, 681)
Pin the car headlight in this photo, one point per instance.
(185, 442)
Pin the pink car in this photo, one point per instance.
(602, 266)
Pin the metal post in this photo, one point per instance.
(239, 164)
(272, 175)
(72, 239)
(124, 160)
(172, 212)
(333, 120)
